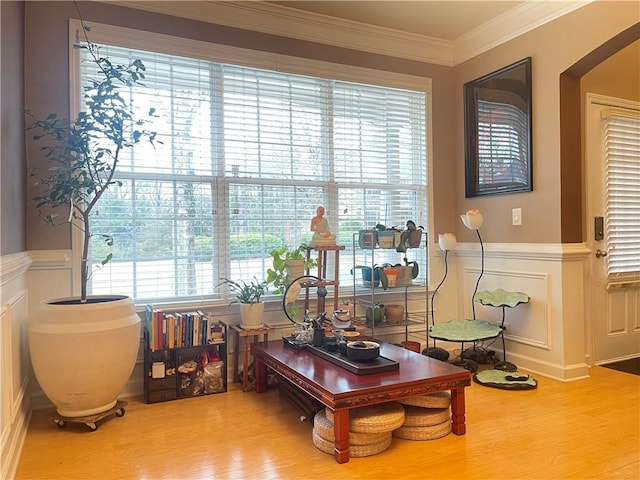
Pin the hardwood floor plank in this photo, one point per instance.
(586, 429)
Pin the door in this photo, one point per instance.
(612, 134)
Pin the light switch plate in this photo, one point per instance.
(516, 216)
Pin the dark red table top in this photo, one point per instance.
(332, 382)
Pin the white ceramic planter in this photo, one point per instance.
(295, 269)
(252, 314)
(83, 354)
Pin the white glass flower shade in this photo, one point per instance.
(447, 241)
(472, 219)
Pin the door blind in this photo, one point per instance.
(622, 158)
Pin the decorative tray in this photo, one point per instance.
(378, 365)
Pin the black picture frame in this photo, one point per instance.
(498, 133)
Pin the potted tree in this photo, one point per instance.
(249, 296)
(83, 349)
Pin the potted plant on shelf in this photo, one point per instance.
(83, 349)
(386, 236)
(288, 264)
(410, 237)
(249, 296)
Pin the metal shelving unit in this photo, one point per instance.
(416, 320)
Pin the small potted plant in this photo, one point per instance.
(411, 237)
(249, 296)
(288, 263)
(387, 235)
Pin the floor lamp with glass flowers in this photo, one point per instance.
(446, 242)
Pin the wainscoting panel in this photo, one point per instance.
(527, 323)
(547, 335)
(15, 408)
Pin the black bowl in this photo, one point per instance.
(363, 351)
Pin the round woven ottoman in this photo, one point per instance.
(383, 417)
(424, 417)
(423, 433)
(323, 427)
(433, 400)
(327, 446)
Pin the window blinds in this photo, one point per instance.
(622, 157)
(246, 156)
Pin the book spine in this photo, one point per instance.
(204, 334)
(148, 320)
(165, 339)
(196, 329)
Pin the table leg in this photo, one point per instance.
(341, 432)
(261, 375)
(236, 351)
(457, 411)
(245, 362)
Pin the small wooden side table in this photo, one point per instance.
(239, 332)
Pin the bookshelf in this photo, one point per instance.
(185, 355)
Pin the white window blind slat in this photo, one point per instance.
(622, 157)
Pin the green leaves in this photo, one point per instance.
(84, 152)
(277, 276)
(245, 292)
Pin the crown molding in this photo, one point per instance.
(289, 22)
(292, 23)
(510, 25)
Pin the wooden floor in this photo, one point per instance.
(587, 429)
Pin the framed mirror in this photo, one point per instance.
(497, 128)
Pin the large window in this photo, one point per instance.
(246, 156)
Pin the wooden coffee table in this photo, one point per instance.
(341, 390)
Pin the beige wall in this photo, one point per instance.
(554, 48)
(618, 76)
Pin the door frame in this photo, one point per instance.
(590, 302)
